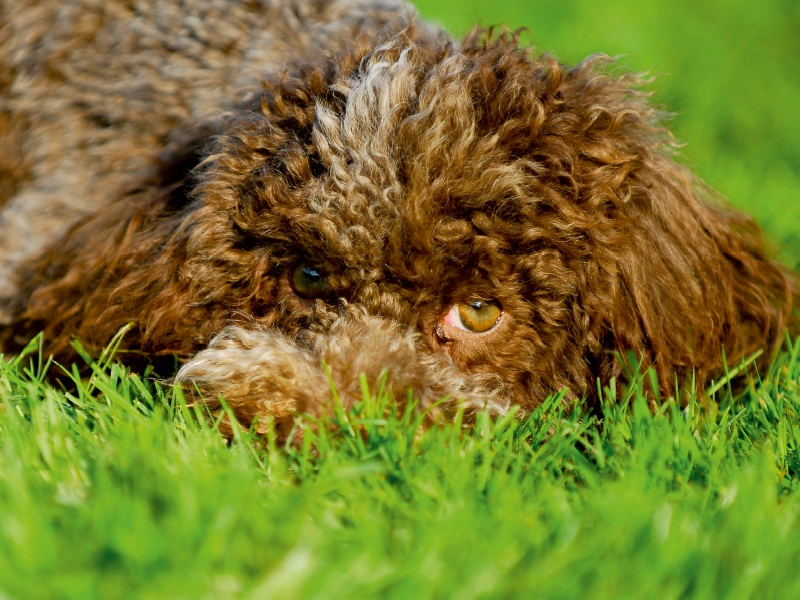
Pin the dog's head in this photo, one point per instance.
(491, 212)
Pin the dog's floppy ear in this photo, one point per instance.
(672, 273)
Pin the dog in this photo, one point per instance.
(285, 195)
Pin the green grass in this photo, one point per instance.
(118, 490)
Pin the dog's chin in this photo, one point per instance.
(263, 375)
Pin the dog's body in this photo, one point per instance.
(334, 181)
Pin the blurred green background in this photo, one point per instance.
(729, 69)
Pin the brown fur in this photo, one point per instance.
(417, 172)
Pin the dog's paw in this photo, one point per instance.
(259, 374)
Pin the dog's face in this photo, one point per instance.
(432, 187)
(497, 225)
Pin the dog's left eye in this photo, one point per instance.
(308, 281)
(475, 316)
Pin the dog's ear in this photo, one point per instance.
(671, 273)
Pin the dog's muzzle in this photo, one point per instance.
(263, 373)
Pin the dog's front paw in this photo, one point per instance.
(259, 374)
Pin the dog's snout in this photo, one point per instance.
(270, 367)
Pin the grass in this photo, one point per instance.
(119, 490)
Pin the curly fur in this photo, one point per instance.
(415, 170)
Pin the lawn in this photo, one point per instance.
(117, 489)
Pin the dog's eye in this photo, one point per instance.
(308, 281)
(476, 316)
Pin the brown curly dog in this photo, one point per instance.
(263, 186)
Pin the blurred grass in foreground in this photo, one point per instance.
(730, 69)
(119, 490)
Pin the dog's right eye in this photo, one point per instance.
(475, 316)
(308, 281)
